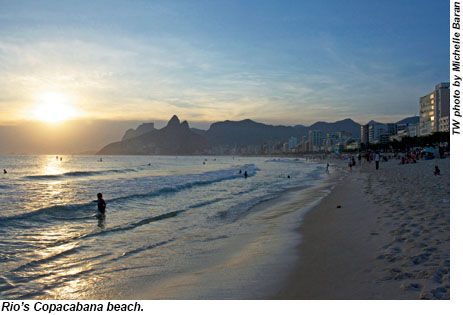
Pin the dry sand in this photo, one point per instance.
(390, 239)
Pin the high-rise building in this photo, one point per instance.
(444, 124)
(375, 131)
(292, 143)
(315, 140)
(364, 134)
(414, 130)
(433, 107)
(391, 128)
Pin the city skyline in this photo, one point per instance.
(273, 62)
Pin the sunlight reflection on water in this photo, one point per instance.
(163, 215)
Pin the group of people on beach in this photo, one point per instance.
(367, 156)
(409, 157)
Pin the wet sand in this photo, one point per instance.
(389, 239)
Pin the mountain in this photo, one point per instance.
(175, 138)
(409, 120)
(142, 129)
(246, 132)
(179, 138)
(198, 131)
(346, 125)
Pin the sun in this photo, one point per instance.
(53, 108)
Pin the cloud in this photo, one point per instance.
(115, 66)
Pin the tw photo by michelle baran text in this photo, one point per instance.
(455, 38)
(66, 306)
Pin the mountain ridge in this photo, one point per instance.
(175, 138)
(178, 138)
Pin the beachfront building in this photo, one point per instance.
(352, 145)
(315, 140)
(401, 128)
(375, 130)
(364, 134)
(331, 142)
(285, 147)
(444, 124)
(434, 106)
(414, 130)
(302, 145)
(384, 138)
(292, 143)
(307, 146)
(391, 129)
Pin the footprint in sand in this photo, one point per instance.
(411, 286)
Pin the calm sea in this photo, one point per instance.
(167, 218)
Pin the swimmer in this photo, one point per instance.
(101, 205)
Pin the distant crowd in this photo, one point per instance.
(408, 157)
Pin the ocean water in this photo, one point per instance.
(170, 222)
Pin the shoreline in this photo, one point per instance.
(251, 265)
(388, 240)
(247, 269)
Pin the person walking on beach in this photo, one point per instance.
(377, 160)
(436, 170)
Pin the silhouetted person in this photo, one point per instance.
(101, 205)
(4, 171)
(245, 174)
(436, 170)
(377, 158)
(327, 167)
(239, 172)
(289, 176)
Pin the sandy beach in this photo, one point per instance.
(380, 234)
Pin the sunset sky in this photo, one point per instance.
(285, 62)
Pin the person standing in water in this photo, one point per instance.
(101, 205)
(245, 174)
